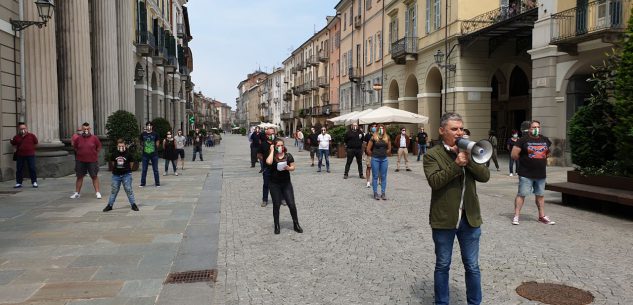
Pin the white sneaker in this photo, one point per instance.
(75, 196)
(98, 195)
(515, 220)
(34, 184)
(165, 174)
(511, 175)
(176, 173)
(368, 184)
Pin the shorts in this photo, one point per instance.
(83, 168)
(528, 186)
(181, 153)
(313, 151)
(368, 160)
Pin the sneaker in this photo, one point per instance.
(408, 169)
(75, 196)
(35, 184)
(361, 176)
(497, 169)
(511, 175)
(368, 184)
(319, 170)
(176, 174)
(158, 185)
(397, 170)
(376, 196)
(134, 207)
(312, 165)
(327, 170)
(383, 197)
(165, 174)
(345, 176)
(107, 208)
(515, 220)
(546, 220)
(17, 186)
(264, 203)
(142, 185)
(98, 195)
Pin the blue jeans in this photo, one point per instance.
(126, 180)
(266, 186)
(468, 238)
(379, 168)
(146, 160)
(528, 186)
(30, 162)
(326, 153)
(421, 150)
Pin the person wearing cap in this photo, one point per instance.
(149, 142)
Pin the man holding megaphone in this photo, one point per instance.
(455, 212)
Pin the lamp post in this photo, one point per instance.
(439, 60)
(45, 9)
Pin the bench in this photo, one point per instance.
(600, 188)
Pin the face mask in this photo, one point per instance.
(373, 129)
(168, 136)
(354, 127)
(279, 149)
(85, 133)
(323, 131)
(514, 135)
(22, 131)
(404, 132)
(271, 137)
(148, 128)
(380, 131)
(121, 149)
(535, 132)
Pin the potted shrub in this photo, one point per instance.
(123, 125)
(338, 137)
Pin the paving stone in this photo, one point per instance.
(141, 288)
(78, 290)
(18, 293)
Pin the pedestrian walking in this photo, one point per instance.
(372, 130)
(24, 144)
(300, 139)
(180, 148)
(256, 140)
(513, 164)
(532, 151)
(354, 147)
(421, 138)
(403, 140)
(150, 141)
(281, 163)
(379, 148)
(87, 148)
(170, 154)
(262, 154)
(121, 174)
(313, 143)
(294, 135)
(198, 138)
(324, 149)
(455, 209)
(492, 138)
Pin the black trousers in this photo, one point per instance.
(351, 153)
(279, 191)
(254, 155)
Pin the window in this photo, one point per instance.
(393, 30)
(338, 67)
(367, 4)
(332, 69)
(438, 15)
(410, 25)
(428, 16)
(379, 45)
(371, 51)
(365, 50)
(351, 16)
(344, 64)
(360, 7)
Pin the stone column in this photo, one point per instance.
(73, 63)
(125, 54)
(104, 62)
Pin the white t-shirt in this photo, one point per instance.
(324, 141)
(300, 135)
(180, 142)
(403, 141)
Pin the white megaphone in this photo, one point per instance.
(480, 152)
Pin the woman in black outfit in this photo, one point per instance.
(170, 154)
(280, 185)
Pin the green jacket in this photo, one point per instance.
(445, 178)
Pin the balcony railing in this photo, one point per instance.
(354, 73)
(287, 96)
(145, 43)
(407, 46)
(324, 81)
(330, 109)
(497, 15)
(171, 64)
(287, 115)
(323, 55)
(314, 85)
(597, 17)
(313, 60)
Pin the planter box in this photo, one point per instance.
(614, 182)
(341, 152)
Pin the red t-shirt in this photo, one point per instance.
(87, 148)
(25, 144)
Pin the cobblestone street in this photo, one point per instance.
(355, 250)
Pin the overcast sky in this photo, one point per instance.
(232, 38)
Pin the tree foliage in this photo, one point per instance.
(624, 103)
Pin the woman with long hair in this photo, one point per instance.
(379, 148)
(281, 164)
(170, 154)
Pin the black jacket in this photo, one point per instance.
(354, 139)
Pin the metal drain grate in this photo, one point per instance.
(192, 276)
(554, 294)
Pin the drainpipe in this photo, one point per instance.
(382, 60)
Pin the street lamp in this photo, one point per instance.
(45, 9)
(139, 73)
(439, 59)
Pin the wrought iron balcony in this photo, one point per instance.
(170, 64)
(405, 49)
(314, 85)
(324, 81)
(145, 43)
(287, 96)
(325, 98)
(597, 19)
(323, 55)
(354, 74)
(313, 60)
(330, 109)
(317, 111)
(295, 90)
(498, 15)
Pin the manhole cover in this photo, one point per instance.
(191, 276)
(554, 294)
